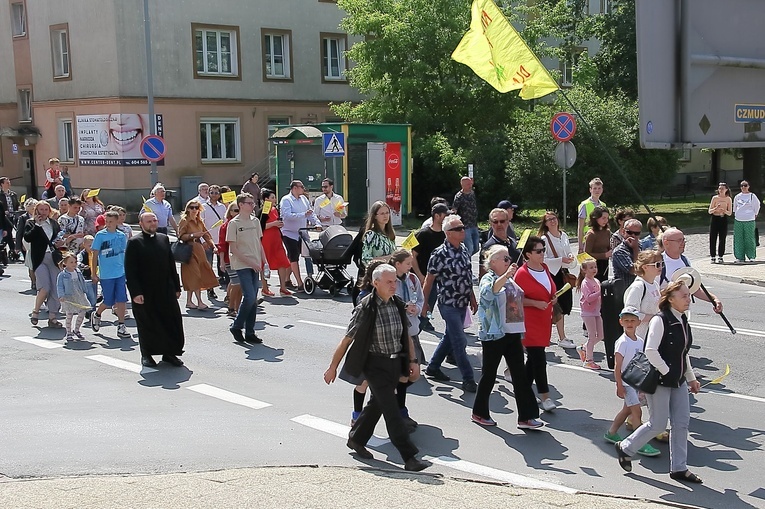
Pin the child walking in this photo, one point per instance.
(73, 294)
(589, 302)
(626, 346)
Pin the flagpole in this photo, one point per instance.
(642, 201)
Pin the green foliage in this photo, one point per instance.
(616, 61)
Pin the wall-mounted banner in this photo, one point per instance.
(114, 139)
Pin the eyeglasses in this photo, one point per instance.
(325, 187)
(675, 240)
(456, 229)
(248, 203)
(744, 185)
(507, 259)
(658, 265)
(193, 207)
(539, 251)
(554, 218)
(630, 232)
(214, 192)
(498, 221)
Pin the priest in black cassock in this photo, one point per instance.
(154, 286)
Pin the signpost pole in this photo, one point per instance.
(149, 84)
(565, 170)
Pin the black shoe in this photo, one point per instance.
(252, 338)
(148, 362)
(425, 324)
(415, 465)
(624, 460)
(359, 449)
(410, 422)
(469, 386)
(437, 375)
(238, 336)
(211, 294)
(686, 476)
(172, 359)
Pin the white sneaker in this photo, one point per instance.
(548, 405)
(566, 343)
(122, 331)
(720, 259)
(713, 260)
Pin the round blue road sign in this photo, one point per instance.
(153, 148)
(563, 126)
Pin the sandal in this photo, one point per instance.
(35, 317)
(685, 475)
(267, 292)
(54, 324)
(624, 460)
(190, 305)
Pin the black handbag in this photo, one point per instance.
(181, 251)
(641, 374)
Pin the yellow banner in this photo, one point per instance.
(217, 223)
(145, 207)
(340, 206)
(228, 197)
(324, 202)
(563, 290)
(410, 242)
(93, 192)
(23, 198)
(524, 237)
(584, 257)
(497, 53)
(267, 207)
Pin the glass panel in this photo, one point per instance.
(215, 142)
(225, 42)
(198, 41)
(68, 141)
(267, 59)
(212, 61)
(230, 141)
(19, 19)
(212, 41)
(278, 57)
(225, 62)
(203, 140)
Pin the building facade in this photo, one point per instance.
(224, 76)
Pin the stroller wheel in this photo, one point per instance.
(310, 285)
(349, 286)
(333, 290)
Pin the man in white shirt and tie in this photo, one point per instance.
(330, 207)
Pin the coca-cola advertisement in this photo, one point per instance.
(393, 177)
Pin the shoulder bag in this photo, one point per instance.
(641, 374)
(181, 251)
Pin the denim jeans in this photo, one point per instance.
(245, 318)
(472, 240)
(454, 340)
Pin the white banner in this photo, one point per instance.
(114, 139)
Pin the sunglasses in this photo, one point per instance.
(325, 187)
(249, 203)
(234, 210)
(507, 259)
(658, 265)
(630, 232)
(498, 221)
(744, 185)
(539, 251)
(194, 207)
(214, 192)
(457, 229)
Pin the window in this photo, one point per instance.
(216, 51)
(59, 41)
(568, 65)
(219, 139)
(605, 6)
(277, 55)
(25, 105)
(66, 140)
(18, 20)
(333, 57)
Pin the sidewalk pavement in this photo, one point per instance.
(288, 487)
(697, 251)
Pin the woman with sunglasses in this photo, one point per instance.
(214, 216)
(538, 301)
(746, 206)
(644, 293)
(501, 325)
(720, 208)
(560, 260)
(196, 275)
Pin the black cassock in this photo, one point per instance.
(150, 271)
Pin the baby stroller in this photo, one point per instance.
(331, 254)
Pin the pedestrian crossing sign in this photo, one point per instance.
(334, 144)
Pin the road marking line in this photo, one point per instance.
(44, 343)
(334, 428)
(734, 395)
(756, 292)
(575, 368)
(500, 475)
(231, 397)
(119, 363)
(323, 324)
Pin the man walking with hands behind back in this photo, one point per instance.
(154, 286)
(382, 350)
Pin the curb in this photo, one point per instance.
(734, 279)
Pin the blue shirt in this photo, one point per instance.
(163, 210)
(111, 253)
(454, 274)
(293, 212)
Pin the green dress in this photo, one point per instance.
(375, 244)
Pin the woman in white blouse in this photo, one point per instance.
(558, 257)
(746, 206)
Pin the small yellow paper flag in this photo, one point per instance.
(719, 378)
(266, 207)
(563, 290)
(524, 237)
(584, 257)
(340, 206)
(145, 207)
(217, 223)
(94, 192)
(410, 242)
(228, 197)
(324, 202)
(23, 198)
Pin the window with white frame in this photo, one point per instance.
(216, 51)
(66, 140)
(276, 55)
(567, 66)
(18, 19)
(333, 57)
(219, 139)
(25, 105)
(605, 6)
(60, 49)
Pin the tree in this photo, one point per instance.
(616, 62)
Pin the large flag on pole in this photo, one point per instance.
(498, 54)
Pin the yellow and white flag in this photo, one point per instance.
(497, 53)
(410, 242)
(524, 237)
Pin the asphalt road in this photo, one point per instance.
(88, 407)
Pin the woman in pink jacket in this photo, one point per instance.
(538, 300)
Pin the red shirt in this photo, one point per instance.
(538, 321)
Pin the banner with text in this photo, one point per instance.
(114, 139)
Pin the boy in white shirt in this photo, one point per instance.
(626, 347)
